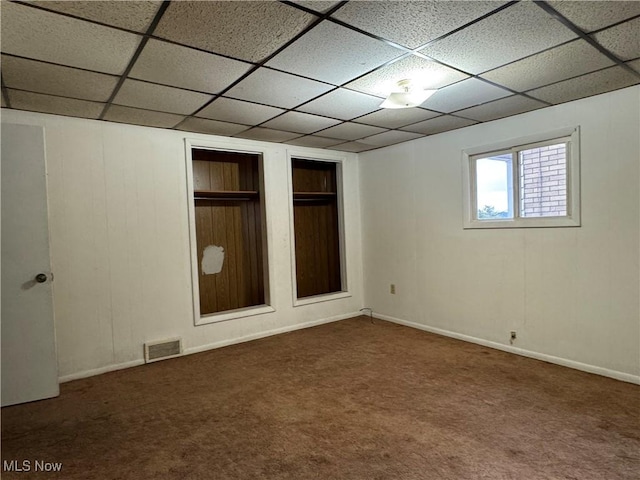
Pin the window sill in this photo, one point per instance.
(233, 314)
(549, 222)
(326, 297)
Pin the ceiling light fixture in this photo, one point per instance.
(410, 96)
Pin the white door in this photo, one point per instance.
(29, 364)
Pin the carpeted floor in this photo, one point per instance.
(347, 400)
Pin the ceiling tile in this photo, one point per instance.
(623, 40)
(334, 54)
(350, 131)
(412, 23)
(427, 73)
(524, 47)
(314, 141)
(300, 122)
(594, 15)
(56, 80)
(591, 84)
(635, 65)
(33, 33)
(37, 102)
(245, 30)
(268, 135)
(559, 63)
(438, 125)
(158, 97)
(236, 111)
(277, 88)
(132, 15)
(390, 138)
(136, 116)
(354, 147)
(316, 5)
(515, 32)
(396, 117)
(464, 94)
(206, 72)
(212, 127)
(343, 104)
(501, 108)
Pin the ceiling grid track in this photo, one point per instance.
(262, 62)
(5, 95)
(543, 4)
(497, 86)
(327, 16)
(134, 58)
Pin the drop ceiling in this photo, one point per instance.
(312, 73)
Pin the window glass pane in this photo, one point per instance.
(494, 182)
(543, 181)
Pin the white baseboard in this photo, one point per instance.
(210, 346)
(268, 333)
(625, 377)
(99, 371)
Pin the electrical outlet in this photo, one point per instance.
(513, 336)
(392, 288)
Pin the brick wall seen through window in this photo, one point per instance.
(543, 181)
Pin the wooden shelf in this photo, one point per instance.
(313, 195)
(225, 195)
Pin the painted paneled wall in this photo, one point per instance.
(120, 242)
(571, 294)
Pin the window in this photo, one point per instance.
(532, 184)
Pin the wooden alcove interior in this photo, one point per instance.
(316, 226)
(228, 214)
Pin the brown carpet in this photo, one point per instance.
(347, 400)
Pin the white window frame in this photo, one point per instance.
(230, 145)
(570, 136)
(339, 160)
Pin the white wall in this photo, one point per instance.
(571, 294)
(120, 243)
